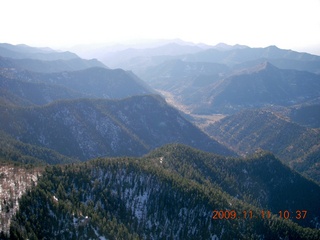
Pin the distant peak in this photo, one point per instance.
(267, 65)
(263, 66)
(223, 45)
(226, 47)
(273, 47)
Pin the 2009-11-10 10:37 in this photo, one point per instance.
(233, 214)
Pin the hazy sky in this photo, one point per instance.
(289, 24)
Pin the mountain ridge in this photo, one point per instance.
(26, 87)
(24, 51)
(224, 92)
(143, 200)
(92, 128)
(58, 65)
(235, 56)
(249, 130)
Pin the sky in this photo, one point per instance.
(288, 24)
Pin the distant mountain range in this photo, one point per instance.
(26, 52)
(238, 56)
(36, 65)
(260, 87)
(210, 88)
(205, 79)
(24, 57)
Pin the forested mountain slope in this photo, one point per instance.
(89, 128)
(24, 153)
(249, 130)
(306, 115)
(168, 194)
(30, 88)
(24, 93)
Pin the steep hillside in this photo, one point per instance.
(90, 128)
(310, 165)
(148, 198)
(249, 130)
(260, 179)
(307, 115)
(18, 152)
(24, 93)
(99, 82)
(28, 88)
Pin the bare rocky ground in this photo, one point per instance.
(14, 181)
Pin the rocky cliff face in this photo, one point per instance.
(15, 180)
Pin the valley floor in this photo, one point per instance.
(201, 121)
